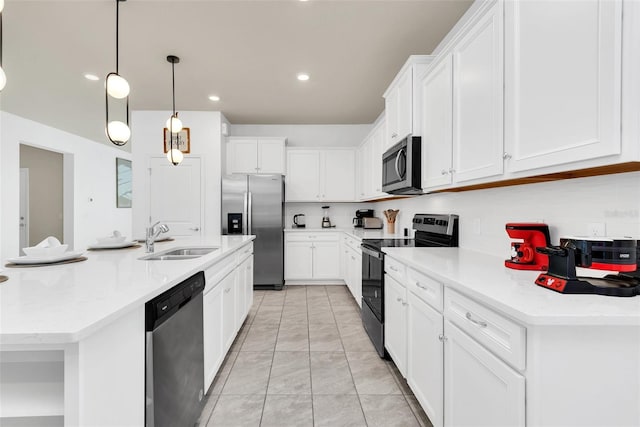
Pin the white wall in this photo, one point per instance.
(89, 166)
(567, 206)
(308, 135)
(147, 142)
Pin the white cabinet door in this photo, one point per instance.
(478, 99)
(338, 175)
(243, 155)
(425, 358)
(395, 323)
(377, 150)
(247, 269)
(212, 333)
(298, 261)
(437, 124)
(562, 89)
(229, 318)
(271, 156)
(366, 173)
(480, 389)
(326, 260)
(391, 113)
(405, 106)
(303, 176)
(356, 276)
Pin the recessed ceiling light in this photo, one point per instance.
(91, 77)
(214, 98)
(303, 77)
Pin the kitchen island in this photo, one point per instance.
(72, 336)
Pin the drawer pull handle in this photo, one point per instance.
(393, 268)
(399, 299)
(480, 323)
(227, 290)
(442, 338)
(421, 286)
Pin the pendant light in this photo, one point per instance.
(115, 86)
(174, 155)
(3, 76)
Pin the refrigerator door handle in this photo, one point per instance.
(250, 213)
(245, 214)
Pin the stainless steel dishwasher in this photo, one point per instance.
(175, 357)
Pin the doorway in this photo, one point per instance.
(41, 195)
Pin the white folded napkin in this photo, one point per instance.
(115, 237)
(48, 247)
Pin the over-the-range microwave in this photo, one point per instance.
(401, 167)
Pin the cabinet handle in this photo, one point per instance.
(393, 268)
(443, 172)
(227, 290)
(353, 258)
(452, 170)
(393, 135)
(506, 155)
(195, 229)
(480, 323)
(421, 286)
(399, 299)
(442, 338)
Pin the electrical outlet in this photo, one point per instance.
(597, 229)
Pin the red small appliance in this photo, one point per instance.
(529, 236)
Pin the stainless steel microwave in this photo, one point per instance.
(401, 167)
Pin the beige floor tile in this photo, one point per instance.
(387, 411)
(261, 337)
(324, 337)
(268, 314)
(370, 374)
(293, 337)
(354, 337)
(290, 373)
(330, 373)
(250, 373)
(287, 411)
(423, 419)
(237, 411)
(212, 399)
(338, 410)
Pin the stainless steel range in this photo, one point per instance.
(432, 230)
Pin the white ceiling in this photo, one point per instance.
(247, 52)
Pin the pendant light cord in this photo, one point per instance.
(173, 87)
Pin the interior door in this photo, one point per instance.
(24, 208)
(175, 193)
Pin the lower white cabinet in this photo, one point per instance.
(312, 256)
(479, 388)
(425, 357)
(245, 288)
(395, 322)
(352, 267)
(212, 332)
(229, 321)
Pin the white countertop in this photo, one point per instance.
(358, 233)
(65, 303)
(486, 279)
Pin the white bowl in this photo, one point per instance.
(36, 251)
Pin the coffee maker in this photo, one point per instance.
(529, 236)
(361, 214)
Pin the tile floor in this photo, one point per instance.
(303, 358)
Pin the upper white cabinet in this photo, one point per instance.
(370, 164)
(462, 107)
(256, 155)
(563, 81)
(320, 175)
(477, 99)
(402, 104)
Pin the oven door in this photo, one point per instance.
(372, 281)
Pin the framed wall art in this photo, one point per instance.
(181, 141)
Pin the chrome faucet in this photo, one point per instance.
(152, 234)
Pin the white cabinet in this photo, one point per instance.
(370, 164)
(214, 351)
(478, 99)
(395, 322)
(352, 266)
(244, 298)
(320, 175)
(402, 106)
(437, 124)
(312, 256)
(256, 155)
(229, 319)
(563, 84)
(480, 389)
(425, 357)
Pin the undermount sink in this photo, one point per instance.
(180, 253)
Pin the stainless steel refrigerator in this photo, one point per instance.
(254, 204)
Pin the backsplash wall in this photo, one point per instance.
(567, 206)
(340, 214)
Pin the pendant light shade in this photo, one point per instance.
(116, 87)
(3, 79)
(3, 76)
(174, 124)
(1, 5)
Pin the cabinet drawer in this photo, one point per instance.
(352, 242)
(425, 288)
(244, 253)
(216, 272)
(394, 269)
(312, 237)
(502, 336)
